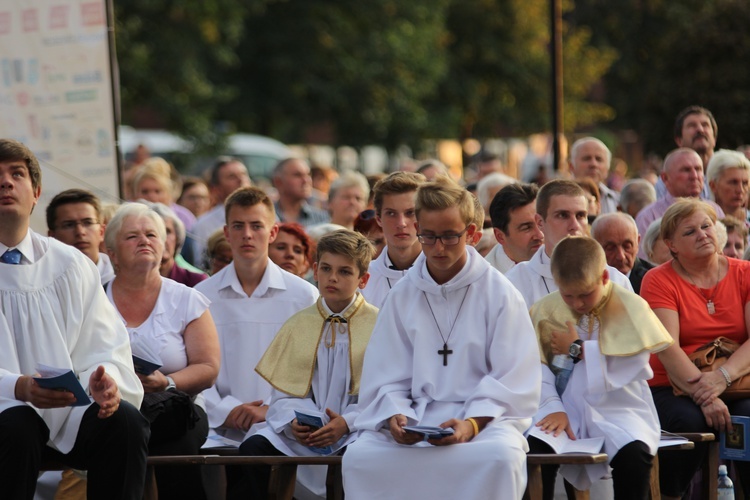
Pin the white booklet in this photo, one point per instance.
(668, 439)
(563, 444)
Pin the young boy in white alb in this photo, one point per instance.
(610, 333)
(314, 365)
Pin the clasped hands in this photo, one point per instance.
(102, 388)
(328, 435)
(707, 386)
(463, 431)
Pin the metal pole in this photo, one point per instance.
(557, 78)
(115, 83)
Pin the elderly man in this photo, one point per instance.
(513, 213)
(728, 175)
(636, 194)
(694, 128)
(618, 235)
(291, 178)
(682, 174)
(590, 159)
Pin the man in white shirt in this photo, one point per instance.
(561, 211)
(53, 311)
(74, 217)
(226, 175)
(251, 299)
(513, 213)
(394, 202)
(452, 347)
(590, 158)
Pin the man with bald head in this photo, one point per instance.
(682, 175)
(590, 159)
(618, 235)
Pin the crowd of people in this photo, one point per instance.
(335, 316)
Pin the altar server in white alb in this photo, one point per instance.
(315, 367)
(53, 311)
(562, 210)
(250, 299)
(394, 199)
(609, 333)
(453, 347)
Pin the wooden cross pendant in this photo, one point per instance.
(444, 353)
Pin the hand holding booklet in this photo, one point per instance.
(62, 379)
(314, 420)
(146, 360)
(429, 432)
(563, 444)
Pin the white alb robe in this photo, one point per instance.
(499, 259)
(382, 279)
(493, 372)
(606, 396)
(246, 326)
(330, 389)
(534, 280)
(54, 312)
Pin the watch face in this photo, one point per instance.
(574, 350)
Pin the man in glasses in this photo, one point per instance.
(395, 212)
(73, 217)
(452, 347)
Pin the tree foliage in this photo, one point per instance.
(168, 51)
(672, 55)
(337, 71)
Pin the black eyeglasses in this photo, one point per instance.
(446, 239)
(367, 214)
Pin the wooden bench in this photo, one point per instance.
(710, 480)
(534, 462)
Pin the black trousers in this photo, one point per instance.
(680, 414)
(180, 482)
(113, 450)
(251, 481)
(631, 470)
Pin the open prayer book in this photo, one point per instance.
(146, 359)
(62, 379)
(669, 439)
(563, 444)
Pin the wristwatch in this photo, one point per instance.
(575, 350)
(170, 384)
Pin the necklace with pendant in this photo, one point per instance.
(709, 300)
(444, 352)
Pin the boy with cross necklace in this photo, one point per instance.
(453, 346)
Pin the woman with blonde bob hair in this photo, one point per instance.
(171, 324)
(699, 295)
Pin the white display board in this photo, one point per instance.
(56, 93)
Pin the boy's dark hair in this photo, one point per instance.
(509, 198)
(248, 197)
(347, 244)
(66, 198)
(12, 150)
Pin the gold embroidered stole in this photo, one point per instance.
(627, 325)
(289, 362)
